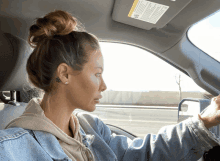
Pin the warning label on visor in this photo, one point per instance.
(147, 11)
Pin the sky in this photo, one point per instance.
(125, 72)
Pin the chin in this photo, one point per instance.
(89, 108)
(92, 109)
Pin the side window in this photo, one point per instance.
(143, 91)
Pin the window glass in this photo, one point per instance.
(143, 91)
(206, 35)
(128, 68)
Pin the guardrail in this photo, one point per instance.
(137, 106)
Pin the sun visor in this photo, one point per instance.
(147, 14)
(13, 58)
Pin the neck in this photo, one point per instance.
(58, 111)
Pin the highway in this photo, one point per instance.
(139, 121)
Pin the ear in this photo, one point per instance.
(63, 71)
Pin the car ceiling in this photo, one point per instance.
(96, 15)
(16, 16)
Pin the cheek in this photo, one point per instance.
(89, 91)
(88, 86)
(84, 89)
(92, 83)
(83, 93)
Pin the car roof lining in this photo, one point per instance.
(100, 22)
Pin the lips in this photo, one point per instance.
(98, 97)
(96, 101)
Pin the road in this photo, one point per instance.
(137, 121)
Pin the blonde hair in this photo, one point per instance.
(56, 39)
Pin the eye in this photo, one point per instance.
(98, 74)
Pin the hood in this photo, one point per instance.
(34, 118)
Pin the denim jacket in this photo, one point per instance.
(185, 141)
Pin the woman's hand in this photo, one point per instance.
(211, 117)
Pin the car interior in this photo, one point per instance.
(164, 35)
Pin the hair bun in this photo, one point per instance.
(55, 23)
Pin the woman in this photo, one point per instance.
(67, 64)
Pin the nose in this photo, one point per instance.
(103, 86)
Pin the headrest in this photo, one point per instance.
(14, 53)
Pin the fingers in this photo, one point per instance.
(211, 117)
(216, 99)
(213, 99)
(217, 117)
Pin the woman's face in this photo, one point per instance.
(84, 90)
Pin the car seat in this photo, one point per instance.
(14, 53)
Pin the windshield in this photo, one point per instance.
(129, 68)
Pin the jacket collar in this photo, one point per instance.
(50, 145)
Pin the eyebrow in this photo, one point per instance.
(100, 68)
